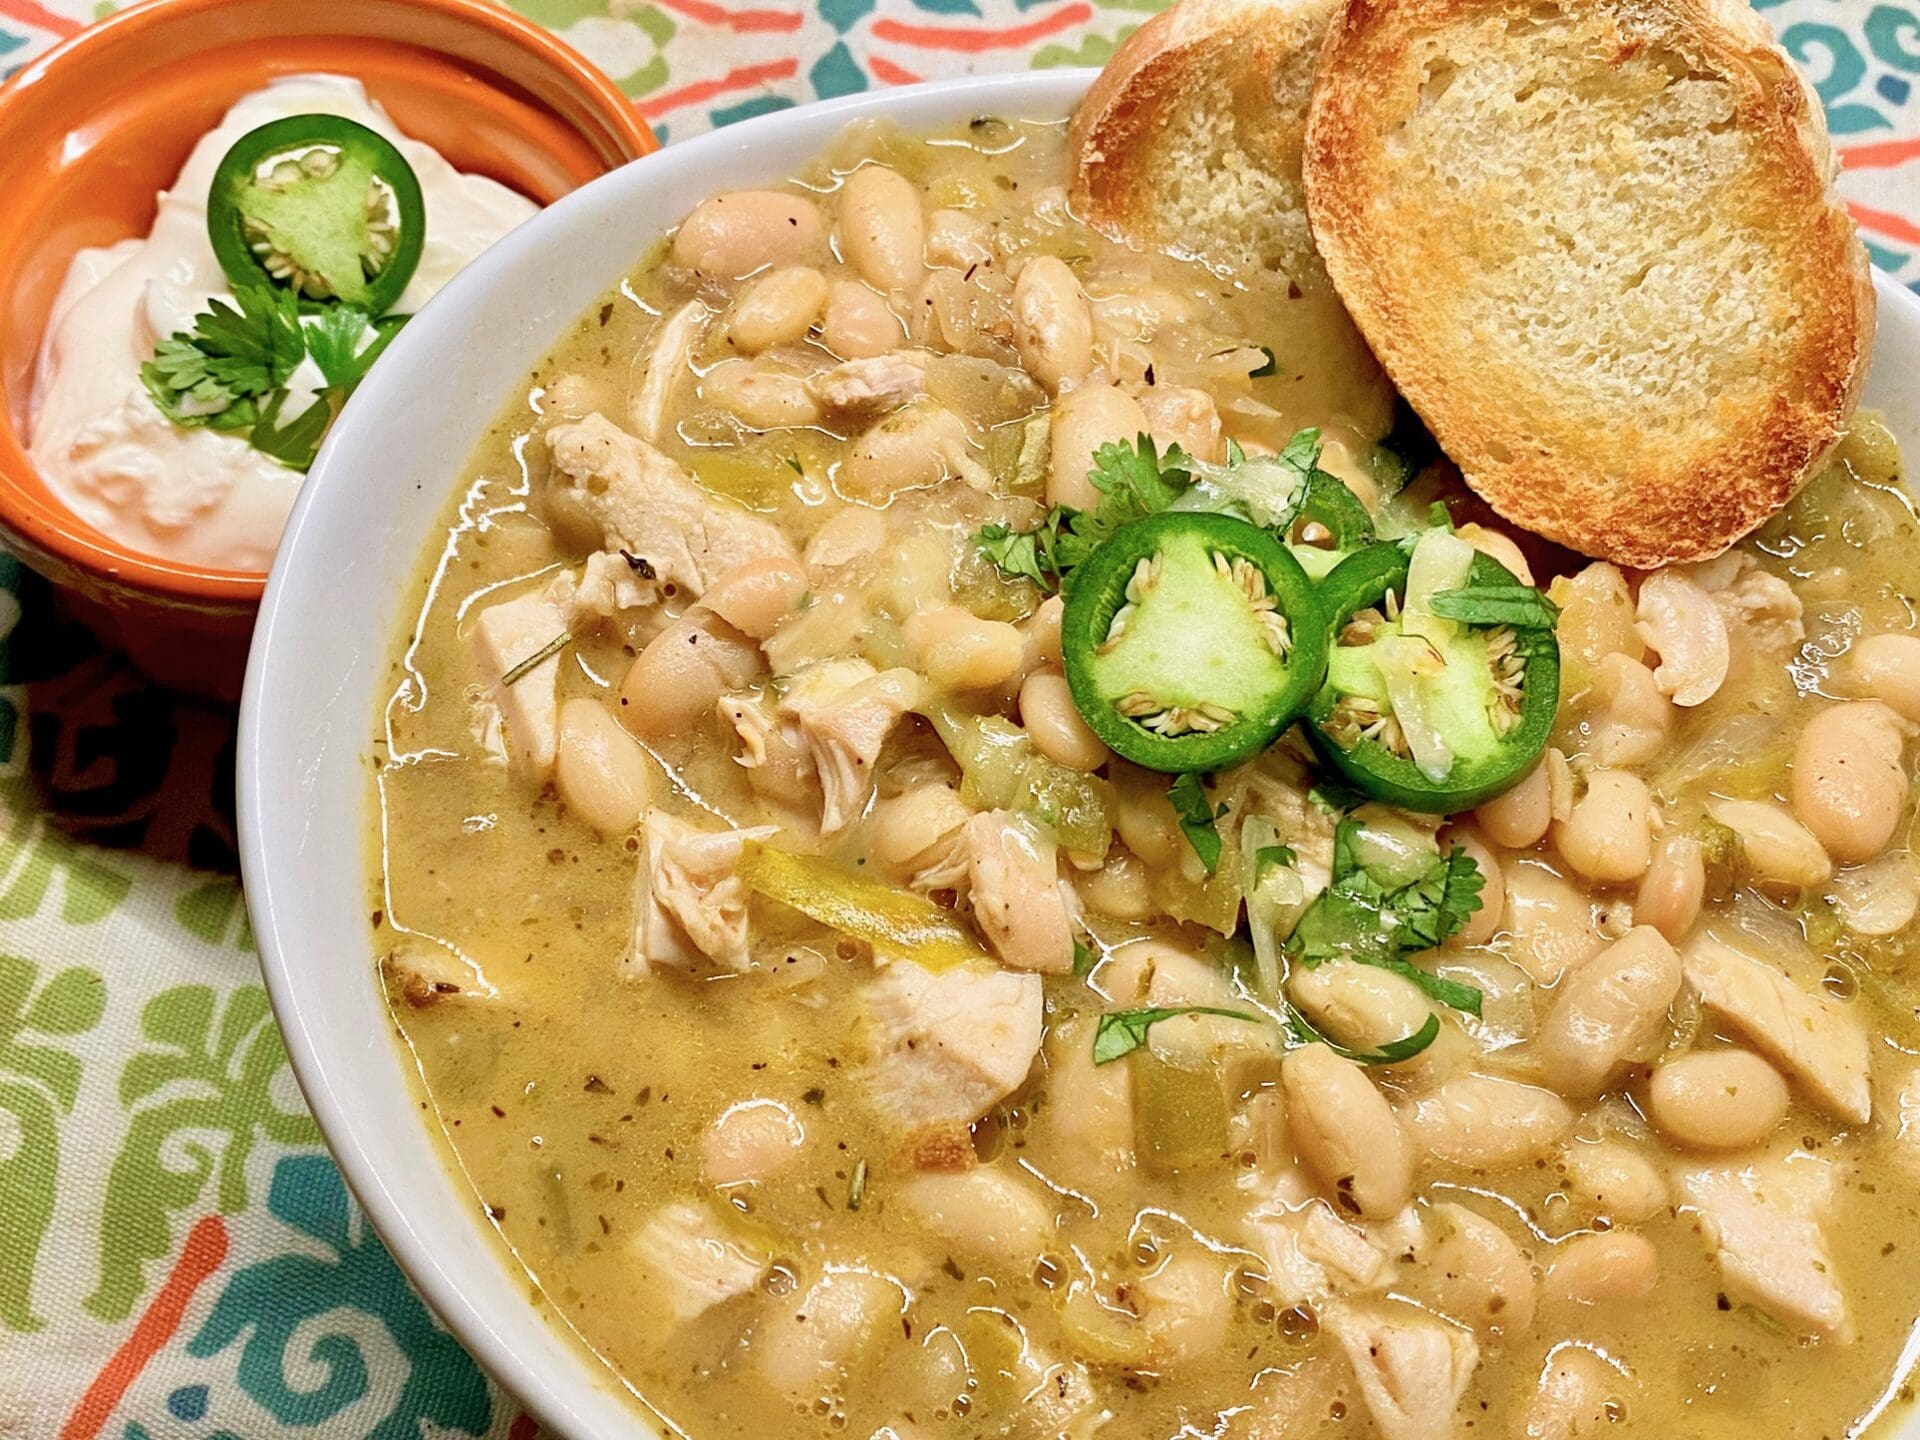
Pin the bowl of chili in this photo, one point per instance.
(83, 154)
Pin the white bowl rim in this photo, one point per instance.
(283, 745)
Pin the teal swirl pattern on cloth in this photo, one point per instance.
(178, 1258)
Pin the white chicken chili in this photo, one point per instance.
(1484, 1009)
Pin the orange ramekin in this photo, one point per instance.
(93, 129)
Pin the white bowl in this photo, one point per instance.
(318, 674)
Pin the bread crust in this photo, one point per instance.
(1634, 484)
(1195, 47)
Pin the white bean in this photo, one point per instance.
(600, 773)
(1680, 622)
(1345, 1132)
(759, 397)
(1083, 421)
(1672, 889)
(1054, 725)
(777, 308)
(674, 684)
(733, 235)
(1577, 1398)
(1609, 835)
(1631, 717)
(1550, 922)
(960, 651)
(1615, 1180)
(882, 230)
(1777, 848)
(1609, 1268)
(1483, 1122)
(1606, 1012)
(1518, 818)
(1498, 545)
(1361, 1006)
(1478, 1276)
(1849, 785)
(912, 449)
(1885, 668)
(911, 828)
(858, 324)
(750, 1142)
(1717, 1099)
(754, 598)
(1052, 323)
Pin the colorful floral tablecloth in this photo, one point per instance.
(179, 1260)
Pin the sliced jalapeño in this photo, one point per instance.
(1191, 640)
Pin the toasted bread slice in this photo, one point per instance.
(1595, 243)
(1190, 138)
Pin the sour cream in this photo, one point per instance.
(104, 449)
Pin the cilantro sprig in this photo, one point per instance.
(1358, 917)
(1520, 606)
(230, 371)
(1121, 1032)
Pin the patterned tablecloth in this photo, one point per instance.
(178, 1256)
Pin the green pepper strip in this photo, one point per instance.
(1380, 771)
(897, 923)
(320, 205)
(1191, 640)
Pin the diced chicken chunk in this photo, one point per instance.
(948, 1046)
(846, 710)
(505, 637)
(609, 585)
(689, 1264)
(1810, 1036)
(1762, 1221)
(645, 505)
(803, 1351)
(1412, 1369)
(1014, 883)
(864, 388)
(1312, 1253)
(688, 902)
(773, 751)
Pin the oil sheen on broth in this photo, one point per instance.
(727, 1171)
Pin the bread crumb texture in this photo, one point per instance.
(1596, 244)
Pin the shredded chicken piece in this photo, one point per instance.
(647, 507)
(1758, 606)
(873, 386)
(505, 637)
(773, 751)
(1312, 1253)
(1810, 1036)
(845, 710)
(609, 586)
(688, 902)
(948, 1046)
(689, 1264)
(1014, 881)
(1762, 1221)
(1412, 1369)
(666, 367)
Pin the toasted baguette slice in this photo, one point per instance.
(1190, 138)
(1595, 243)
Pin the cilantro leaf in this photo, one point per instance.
(333, 340)
(1024, 554)
(1197, 816)
(1268, 857)
(1121, 1032)
(296, 443)
(1358, 918)
(253, 349)
(1521, 606)
(1391, 1053)
(1085, 957)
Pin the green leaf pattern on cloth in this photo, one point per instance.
(145, 1105)
(198, 1098)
